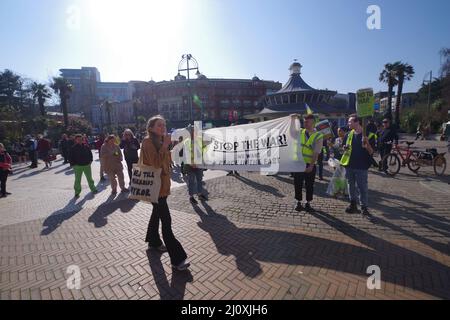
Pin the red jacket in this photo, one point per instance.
(5, 161)
(44, 145)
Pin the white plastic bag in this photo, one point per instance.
(338, 183)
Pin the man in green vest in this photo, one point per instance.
(357, 160)
(311, 144)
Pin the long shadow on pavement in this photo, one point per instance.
(71, 209)
(398, 265)
(177, 287)
(418, 214)
(100, 215)
(56, 219)
(261, 187)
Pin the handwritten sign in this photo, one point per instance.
(365, 103)
(145, 183)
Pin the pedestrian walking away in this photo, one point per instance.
(31, 146)
(81, 159)
(357, 160)
(64, 148)
(311, 144)
(111, 159)
(155, 152)
(98, 145)
(43, 148)
(5, 170)
(130, 146)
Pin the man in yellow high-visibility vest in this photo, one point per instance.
(192, 147)
(311, 144)
(356, 160)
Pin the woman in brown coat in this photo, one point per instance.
(111, 161)
(155, 152)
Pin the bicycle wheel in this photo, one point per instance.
(439, 165)
(413, 162)
(391, 163)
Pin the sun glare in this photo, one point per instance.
(137, 35)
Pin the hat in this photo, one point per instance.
(309, 116)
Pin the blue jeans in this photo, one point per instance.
(357, 177)
(195, 179)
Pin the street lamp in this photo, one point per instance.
(429, 87)
(184, 66)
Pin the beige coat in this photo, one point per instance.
(111, 158)
(157, 159)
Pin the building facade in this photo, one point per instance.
(120, 114)
(218, 101)
(84, 82)
(407, 100)
(114, 91)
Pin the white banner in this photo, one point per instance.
(270, 147)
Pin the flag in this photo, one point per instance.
(308, 109)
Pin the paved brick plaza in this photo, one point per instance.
(246, 242)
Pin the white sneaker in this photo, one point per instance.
(182, 266)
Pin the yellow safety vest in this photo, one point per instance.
(307, 145)
(347, 153)
(373, 135)
(190, 146)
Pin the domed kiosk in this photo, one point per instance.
(296, 94)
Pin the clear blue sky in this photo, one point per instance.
(140, 40)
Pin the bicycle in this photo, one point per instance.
(430, 157)
(391, 162)
(413, 159)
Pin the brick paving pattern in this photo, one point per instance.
(246, 242)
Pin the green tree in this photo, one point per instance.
(403, 72)
(445, 65)
(41, 93)
(388, 76)
(10, 90)
(63, 88)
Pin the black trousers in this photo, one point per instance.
(130, 166)
(308, 179)
(65, 155)
(384, 150)
(33, 158)
(320, 164)
(174, 247)
(3, 178)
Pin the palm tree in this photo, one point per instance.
(404, 72)
(388, 76)
(63, 88)
(40, 92)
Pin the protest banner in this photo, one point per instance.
(269, 146)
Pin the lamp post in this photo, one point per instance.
(184, 66)
(429, 88)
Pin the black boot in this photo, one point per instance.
(299, 206)
(352, 208)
